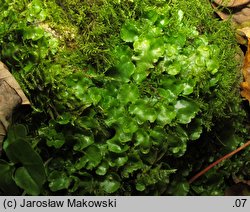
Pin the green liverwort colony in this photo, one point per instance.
(128, 97)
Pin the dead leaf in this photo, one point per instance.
(11, 95)
(246, 74)
(242, 18)
(7, 76)
(245, 86)
(9, 99)
(240, 188)
(222, 15)
(237, 11)
(240, 180)
(231, 3)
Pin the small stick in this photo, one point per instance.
(218, 161)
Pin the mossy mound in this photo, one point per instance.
(128, 96)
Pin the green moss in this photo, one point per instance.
(95, 26)
(133, 95)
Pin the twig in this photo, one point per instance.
(218, 161)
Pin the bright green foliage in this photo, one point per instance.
(123, 94)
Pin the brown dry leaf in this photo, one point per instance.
(240, 15)
(241, 21)
(11, 95)
(7, 76)
(241, 187)
(222, 15)
(231, 3)
(242, 18)
(9, 99)
(238, 11)
(246, 67)
(239, 180)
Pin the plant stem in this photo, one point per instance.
(218, 161)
